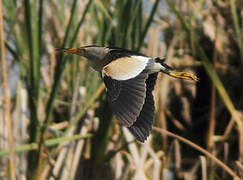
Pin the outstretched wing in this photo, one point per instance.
(127, 97)
(143, 125)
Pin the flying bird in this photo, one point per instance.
(129, 78)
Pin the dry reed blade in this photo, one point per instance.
(204, 167)
(48, 143)
(6, 96)
(200, 149)
(238, 30)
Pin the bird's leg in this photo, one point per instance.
(182, 75)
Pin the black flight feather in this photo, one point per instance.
(126, 98)
(143, 125)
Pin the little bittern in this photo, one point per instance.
(129, 78)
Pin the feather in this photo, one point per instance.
(125, 68)
(143, 125)
(126, 98)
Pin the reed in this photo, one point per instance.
(59, 119)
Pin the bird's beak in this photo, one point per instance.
(183, 75)
(78, 51)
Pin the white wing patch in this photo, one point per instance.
(126, 67)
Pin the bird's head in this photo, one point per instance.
(94, 54)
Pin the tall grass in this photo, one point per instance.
(7, 102)
(64, 128)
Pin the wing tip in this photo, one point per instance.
(138, 134)
(142, 127)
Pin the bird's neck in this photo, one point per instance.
(97, 65)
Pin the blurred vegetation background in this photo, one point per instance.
(54, 119)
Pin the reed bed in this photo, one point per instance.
(55, 122)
